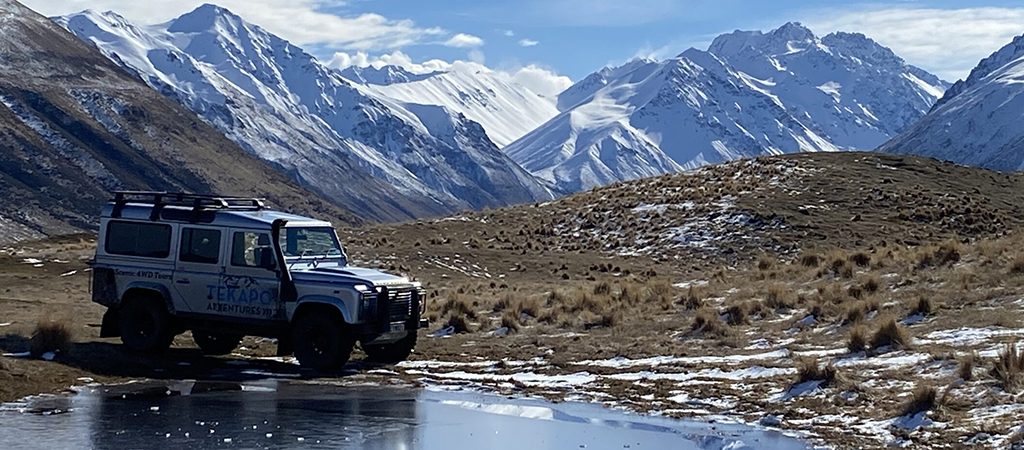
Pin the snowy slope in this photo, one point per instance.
(507, 110)
(751, 94)
(978, 121)
(283, 105)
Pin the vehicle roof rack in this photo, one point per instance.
(198, 202)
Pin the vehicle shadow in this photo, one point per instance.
(114, 360)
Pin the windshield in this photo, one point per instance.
(310, 242)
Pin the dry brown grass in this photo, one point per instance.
(861, 259)
(736, 314)
(454, 304)
(810, 369)
(857, 312)
(778, 296)
(692, 300)
(458, 323)
(890, 334)
(765, 263)
(510, 320)
(707, 321)
(811, 260)
(1016, 266)
(924, 306)
(51, 335)
(1009, 368)
(924, 398)
(944, 254)
(857, 341)
(602, 288)
(3, 364)
(966, 367)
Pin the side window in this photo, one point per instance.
(199, 246)
(150, 240)
(251, 249)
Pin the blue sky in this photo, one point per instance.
(575, 37)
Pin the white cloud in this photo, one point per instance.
(463, 40)
(947, 42)
(528, 42)
(299, 21)
(535, 78)
(508, 33)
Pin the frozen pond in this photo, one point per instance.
(279, 414)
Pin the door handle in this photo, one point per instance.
(183, 281)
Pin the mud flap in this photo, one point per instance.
(111, 326)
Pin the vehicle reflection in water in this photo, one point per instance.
(273, 414)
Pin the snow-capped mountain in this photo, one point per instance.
(74, 126)
(283, 105)
(978, 121)
(506, 110)
(750, 94)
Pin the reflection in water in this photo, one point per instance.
(269, 414)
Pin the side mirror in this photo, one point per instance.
(265, 258)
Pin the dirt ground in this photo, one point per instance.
(738, 293)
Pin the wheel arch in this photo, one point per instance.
(135, 290)
(324, 304)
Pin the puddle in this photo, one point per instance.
(283, 414)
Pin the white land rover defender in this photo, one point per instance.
(227, 267)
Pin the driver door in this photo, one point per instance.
(250, 285)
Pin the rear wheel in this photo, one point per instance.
(216, 344)
(322, 341)
(391, 353)
(145, 324)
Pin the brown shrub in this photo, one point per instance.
(51, 335)
(891, 334)
(707, 321)
(1009, 368)
(809, 369)
(857, 341)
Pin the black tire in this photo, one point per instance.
(322, 341)
(216, 344)
(392, 353)
(145, 324)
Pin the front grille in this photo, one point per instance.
(400, 304)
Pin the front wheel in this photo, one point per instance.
(391, 353)
(145, 325)
(322, 341)
(216, 344)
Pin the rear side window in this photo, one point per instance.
(149, 240)
(250, 248)
(199, 246)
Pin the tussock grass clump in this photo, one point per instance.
(456, 305)
(736, 315)
(924, 306)
(458, 323)
(861, 259)
(857, 341)
(778, 297)
(925, 398)
(50, 335)
(937, 256)
(692, 300)
(966, 367)
(1016, 266)
(707, 321)
(810, 369)
(810, 260)
(3, 364)
(511, 321)
(890, 334)
(871, 285)
(1009, 368)
(765, 263)
(839, 264)
(602, 288)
